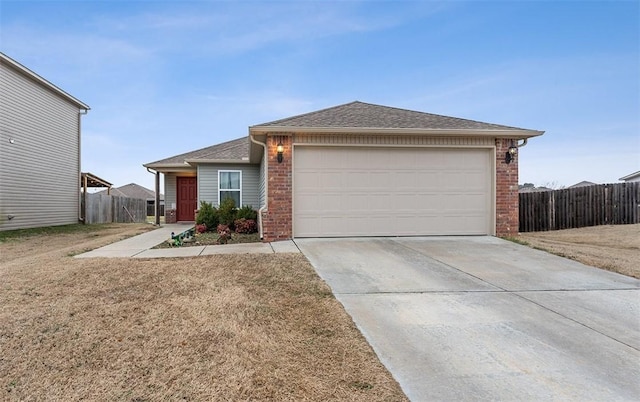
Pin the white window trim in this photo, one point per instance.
(228, 189)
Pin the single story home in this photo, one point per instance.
(358, 169)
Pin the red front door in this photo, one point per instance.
(187, 189)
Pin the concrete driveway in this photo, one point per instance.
(480, 318)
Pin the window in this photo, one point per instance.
(229, 186)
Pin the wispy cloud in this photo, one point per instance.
(228, 28)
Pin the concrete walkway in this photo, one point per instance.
(141, 246)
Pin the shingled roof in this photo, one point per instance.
(234, 150)
(354, 117)
(132, 190)
(366, 115)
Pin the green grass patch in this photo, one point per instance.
(517, 240)
(361, 385)
(52, 230)
(152, 219)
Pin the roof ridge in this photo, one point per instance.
(437, 115)
(451, 119)
(308, 113)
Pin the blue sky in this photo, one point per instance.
(164, 78)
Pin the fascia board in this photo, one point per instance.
(219, 161)
(630, 176)
(170, 167)
(514, 133)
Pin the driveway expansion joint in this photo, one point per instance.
(419, 292)
(566, 317)
(447, 265)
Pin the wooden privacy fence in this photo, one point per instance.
(602, 204)
(102, 208)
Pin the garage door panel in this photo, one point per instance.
(376, 201)
(310, 201)
(391, 191)
(464, 202)
(331, 180)
(307, 180)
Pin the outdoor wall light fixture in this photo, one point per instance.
(511, 153)
(280, 150)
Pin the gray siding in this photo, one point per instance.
(208, 183)
(170, 191)
(40, 171)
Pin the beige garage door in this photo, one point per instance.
(347, 191)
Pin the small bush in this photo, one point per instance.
(201, 228)
(208, 215)
(224, 232)
(227, 212)
(245, 225)
(247, 212)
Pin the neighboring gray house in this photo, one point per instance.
(39, 150)
(633, 177)
(583, 183)
(530, 188)
(358, 169)
(133, 190)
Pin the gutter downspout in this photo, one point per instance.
(524, 142)
(157, 206)
(81, 211)
(266, 183)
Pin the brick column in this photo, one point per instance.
(277, 220)
(170, 216)
(507, 218)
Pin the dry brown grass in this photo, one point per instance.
(240, 327)
(613, 247)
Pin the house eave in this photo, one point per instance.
(38, 79)
(218, 161)
(190, 164)
(630, 176)
(170, 167)
(495, 133)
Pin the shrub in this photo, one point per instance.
(245, 225)
(247, 212)
(227, 212)
(201, 228)
(208, 215)
(224, 232)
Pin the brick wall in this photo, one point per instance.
(506, 191)
(277, 220)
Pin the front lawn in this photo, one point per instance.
(233, 327)
(78, 228)
(612, 247)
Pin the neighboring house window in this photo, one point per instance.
(230, 185)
